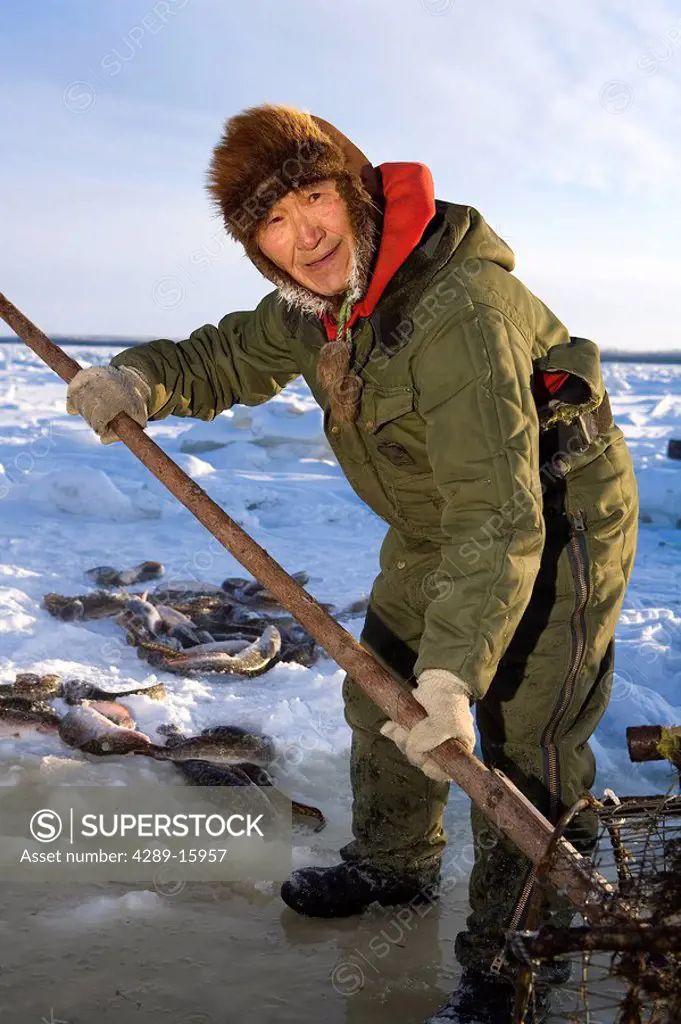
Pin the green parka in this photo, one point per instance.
(446, 448)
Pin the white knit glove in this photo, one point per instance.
(101, 392)
(446, 699)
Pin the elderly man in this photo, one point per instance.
(464, 414)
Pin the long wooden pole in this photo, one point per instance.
(503, 804)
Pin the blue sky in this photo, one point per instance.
(561, 123)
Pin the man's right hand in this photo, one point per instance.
(99, 393)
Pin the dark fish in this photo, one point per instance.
(146, 622)
(21, 717)
(228, 645)
(234, 584)
(189, 598)
(189, 636)
(296, 643)
(258, 776)
(68, 609)
(86, 729)
(214, 659)
(98, 605)
(103, 575)
(108, 576)
(241, 615)
(253, 594)
(171, 617)
(221, 744)
(358, 607)
(140, 617)
(142, 573)
(36, 686)
(207, 773)
(237, 585)
(74, 691)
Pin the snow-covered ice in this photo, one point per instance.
(69, 503)
(107, 952)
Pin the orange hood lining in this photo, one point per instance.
(409, 207)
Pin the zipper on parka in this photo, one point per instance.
(579, 563)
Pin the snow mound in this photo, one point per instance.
(293, 421)
(193, 467)
(87, 492)
(659, 488)
(668, 408)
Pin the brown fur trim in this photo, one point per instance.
(341, 385)
(264, 153)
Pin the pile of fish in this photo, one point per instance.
(238, 628)
(224, 755)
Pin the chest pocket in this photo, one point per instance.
(394, 431)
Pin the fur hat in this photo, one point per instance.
(263, 154)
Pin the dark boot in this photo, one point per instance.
(487, 999)
(347, 889)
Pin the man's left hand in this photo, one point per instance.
(446, 698)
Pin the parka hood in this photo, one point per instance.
(473, 239)
(409, 206)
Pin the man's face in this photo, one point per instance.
(308, 234)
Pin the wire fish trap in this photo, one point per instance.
(626, 966)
